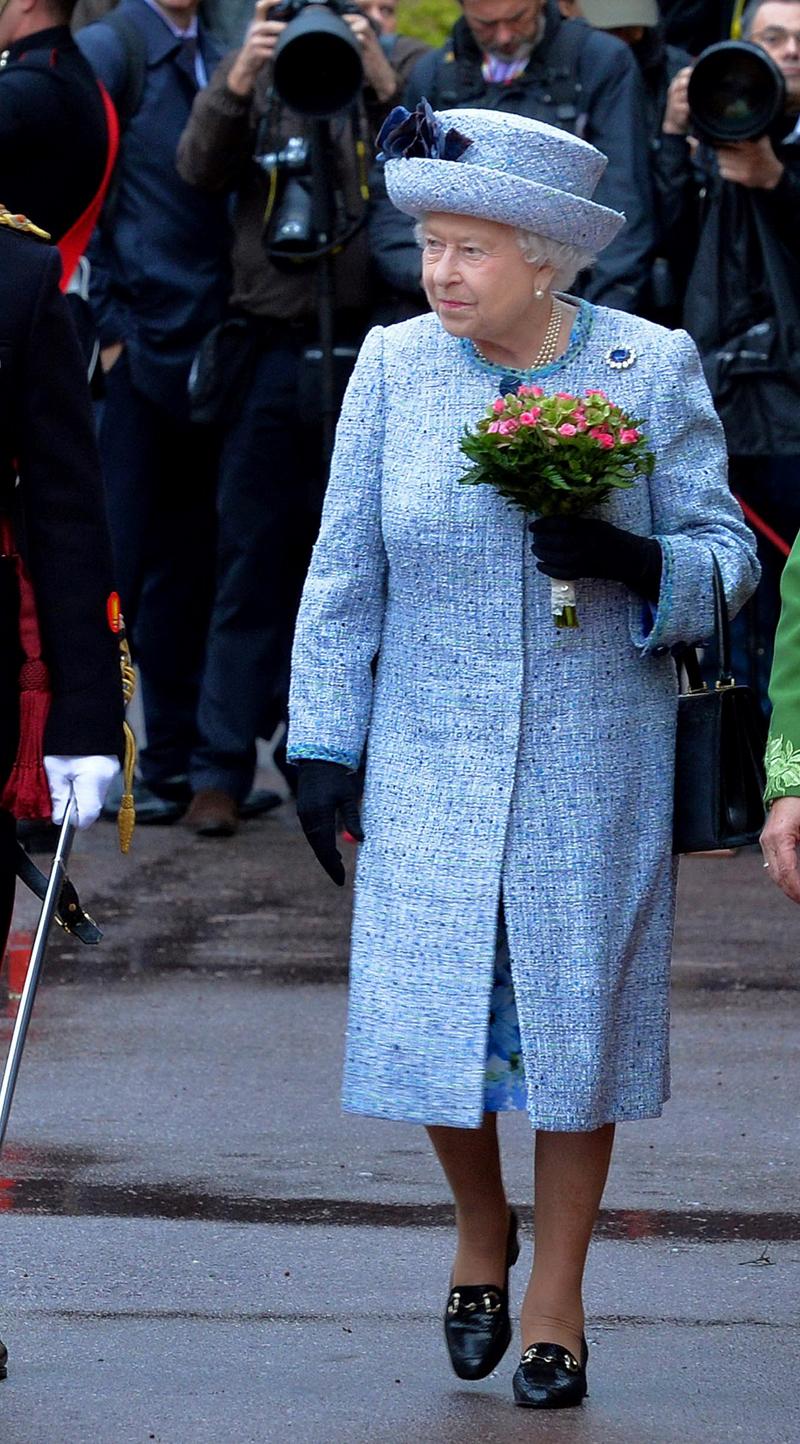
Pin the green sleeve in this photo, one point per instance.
(783, 747)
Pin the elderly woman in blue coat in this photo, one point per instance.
(515, 885)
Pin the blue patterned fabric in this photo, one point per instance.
(506, 757)
(505, 1068)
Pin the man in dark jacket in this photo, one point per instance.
(57, 513)
(524, 57)
(159, 283)
(53, 133)
(731, 215)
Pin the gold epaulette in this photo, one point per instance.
(21, 223)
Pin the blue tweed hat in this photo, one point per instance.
(501, 167)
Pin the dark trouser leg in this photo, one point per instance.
(160, 477)
(269, 497)
(127, 437)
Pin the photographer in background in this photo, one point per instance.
(731, 217)
(242, 138)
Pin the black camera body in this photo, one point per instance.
(290, 9)
(736, 92)
(293, 159)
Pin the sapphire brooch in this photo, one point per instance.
(619, 358)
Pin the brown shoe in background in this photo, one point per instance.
(212, 813)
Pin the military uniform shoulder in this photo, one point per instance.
(11, 221)
(26, 262)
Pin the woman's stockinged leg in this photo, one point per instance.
(470, 1158)
(570, 1175)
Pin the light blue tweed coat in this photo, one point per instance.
(506, 757)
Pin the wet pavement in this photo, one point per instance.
(199, 1246)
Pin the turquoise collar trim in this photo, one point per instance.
(579, 335)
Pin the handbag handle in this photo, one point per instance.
(722, 626)
(688, 658)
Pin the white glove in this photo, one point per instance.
(91, 778)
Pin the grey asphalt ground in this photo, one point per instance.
(198, 1246)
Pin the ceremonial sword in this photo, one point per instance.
(60, 905)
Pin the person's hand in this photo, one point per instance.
(258, 49)
(90, 778)
(751, 163)
(377, 71)
(109, 355)
(676, 116)
(569, 547)
(326, 790)
(779, 843)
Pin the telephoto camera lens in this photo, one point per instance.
(317, 70)
(736, 92)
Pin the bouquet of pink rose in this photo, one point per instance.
(556, 456)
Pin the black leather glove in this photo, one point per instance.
(325, 790)
(569, 547)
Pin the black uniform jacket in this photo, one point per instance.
(58, 510)
(53, 133)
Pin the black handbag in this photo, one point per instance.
(719, 755)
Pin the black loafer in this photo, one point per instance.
(3, 1360)
(477, 1326)
(549, 1377)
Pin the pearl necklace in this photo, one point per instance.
(547, 351)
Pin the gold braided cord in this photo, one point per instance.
(21, 223)
(126, 817)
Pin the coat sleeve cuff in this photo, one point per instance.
(651, 623)
(783, 769)
(312, 752)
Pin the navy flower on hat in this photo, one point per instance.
(419, 133)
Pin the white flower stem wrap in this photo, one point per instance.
(563, 603)
(90, 779)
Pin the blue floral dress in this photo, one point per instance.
(505, 1070)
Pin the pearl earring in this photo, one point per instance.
(538, 294)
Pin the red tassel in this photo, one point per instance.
(26, 794)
